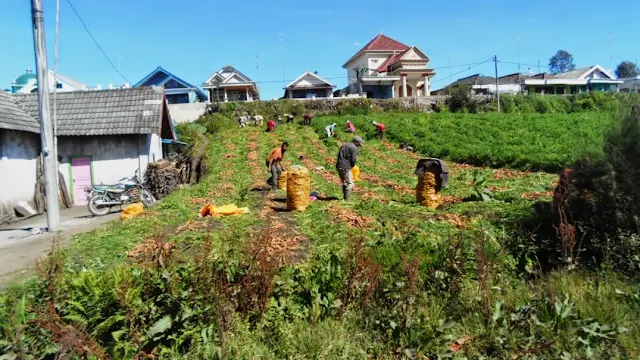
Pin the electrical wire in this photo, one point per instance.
(96, 42)
(467, 69)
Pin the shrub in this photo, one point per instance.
(595, 215)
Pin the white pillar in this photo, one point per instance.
(404, 85)
(393, 91)
(247, 92)
(289, 94)
(225, 95)
(427, 90)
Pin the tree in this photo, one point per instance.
(626, 69)
(561, 62)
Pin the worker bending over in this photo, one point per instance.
(380, 128)
(271, 125)
(350, 127)
(331, 130)
(274, 164)
(347, 157)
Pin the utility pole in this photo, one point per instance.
(46, 130)
(495, 60)
(539, 67)
(55, 90)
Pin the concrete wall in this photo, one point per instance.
(113, 157)
(182, 113)
(18, 153)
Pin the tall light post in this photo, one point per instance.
(518, 50)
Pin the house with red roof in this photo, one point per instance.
(386, 68)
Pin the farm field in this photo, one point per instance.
(376, 277)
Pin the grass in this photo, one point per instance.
(422, 282)
(547, 142)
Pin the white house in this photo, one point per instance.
(28, 83)
(385, 68)
(19, 148)
(309, 86)
(591, 78)
(103, 136)
(229, 84)
(630, 85)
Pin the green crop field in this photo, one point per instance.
(376, 277)
(523, 141)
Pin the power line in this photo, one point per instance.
(96, 42)
(469, 68)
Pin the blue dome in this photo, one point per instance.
(24, 79)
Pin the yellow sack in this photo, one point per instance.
(356, 173)
(132, 211)
(225, 210)
(282, 181)
(298, 188)
(426, 191)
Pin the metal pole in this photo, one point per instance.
(55, 91)
(495, 60)
(46, 130)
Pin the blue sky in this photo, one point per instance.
(193, 38)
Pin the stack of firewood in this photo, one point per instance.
(164, 176)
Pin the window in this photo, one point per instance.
(58, 85)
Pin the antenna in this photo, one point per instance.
(284, 81)
(518, 50)
(355, 44)
(611, 49)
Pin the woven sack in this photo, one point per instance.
(282, 181)
(426, 194)
(298, 188)
(356, 173)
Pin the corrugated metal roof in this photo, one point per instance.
(12, 117)
(103, 112)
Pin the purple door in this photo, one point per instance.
(80, 179)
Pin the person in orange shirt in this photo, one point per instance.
(274, 164)
(380, 128)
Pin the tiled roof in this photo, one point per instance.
(512, 79)
(542, 76)
(391, 60)
(476, 79)
(103, 112)
(381, 43)
(12, 117)
(384, 43)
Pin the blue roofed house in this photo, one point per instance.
(177, 91)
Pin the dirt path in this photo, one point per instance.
(19, 250)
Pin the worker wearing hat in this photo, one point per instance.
(350, 127)
(380, 129)
(347, 157)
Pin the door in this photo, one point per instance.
(80, 178)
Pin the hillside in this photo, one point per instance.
(377, 277)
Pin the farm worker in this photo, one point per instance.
(347, 157)
(271, 125)
(331, 130)
(350, 127)
(274, 164)
(380, 128)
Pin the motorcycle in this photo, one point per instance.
(103, 197)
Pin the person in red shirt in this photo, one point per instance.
(271, 125)
(380, 128)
